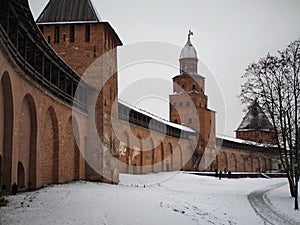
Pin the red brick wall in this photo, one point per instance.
(257, 136)
(26, 98)
(80, 54)
(243, 161)
(176, 154)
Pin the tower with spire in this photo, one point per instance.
(188, 103)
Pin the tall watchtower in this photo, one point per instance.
(256, 126)
(76, 32)
(188, 94)
(78, 35)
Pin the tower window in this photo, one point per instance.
(56, 34)
(181, 104)
(49, 39)
(190, 121)
(176, 121)
(194, 87)
(174, 104)
(65, 38)
(87, 33)
(183, 87)
(72, 33)
(187, 104)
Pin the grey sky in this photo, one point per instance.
(228, 35)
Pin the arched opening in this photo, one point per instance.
(263, 165)
(49, 157)
(269, 166)
(255, 165)
(8, 119)
(169, 158)
(233, 163)
(243, 164)
(55, 159)
(141, 155)
(152, 149)
(248, 164)
(76, 140)
(21, 176)
(222, 161)
(162, 156)
(33, 138)
(177, 158)
(27, 137)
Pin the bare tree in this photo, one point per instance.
(274, 81)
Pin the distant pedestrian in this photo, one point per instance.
(216, 172)
(220, 174)
(229, 174)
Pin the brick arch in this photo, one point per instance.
(263, 164)
(162, 156)
(248, 164)
(255, 164)
(76, 150)
(222, 161)
(152, 154)
(55, 176)
(21, 176)
(269, 166)
(169, 157)
(233, 163)
(49, 142)
(67, 156)
(27, 139)
(178, 158)
(242, 162)
(141, 155)
(8, 118)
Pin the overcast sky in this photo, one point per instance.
(228, 35)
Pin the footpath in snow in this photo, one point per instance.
(163, 198)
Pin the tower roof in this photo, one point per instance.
(188, 50)
(255, 119)
(69, 11)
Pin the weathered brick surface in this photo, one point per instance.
(54, 133)
(257, 136)
(243, 161)
(152, 152)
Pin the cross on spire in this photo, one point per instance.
(190, 33)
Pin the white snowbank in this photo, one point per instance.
(163, 198)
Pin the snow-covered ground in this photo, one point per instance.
(160, 199)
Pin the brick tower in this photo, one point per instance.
(188, 94)
(256, 126)
(75, 31)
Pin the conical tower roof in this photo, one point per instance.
(255, 119)
(69, 11)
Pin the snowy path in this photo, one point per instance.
(265, 209)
